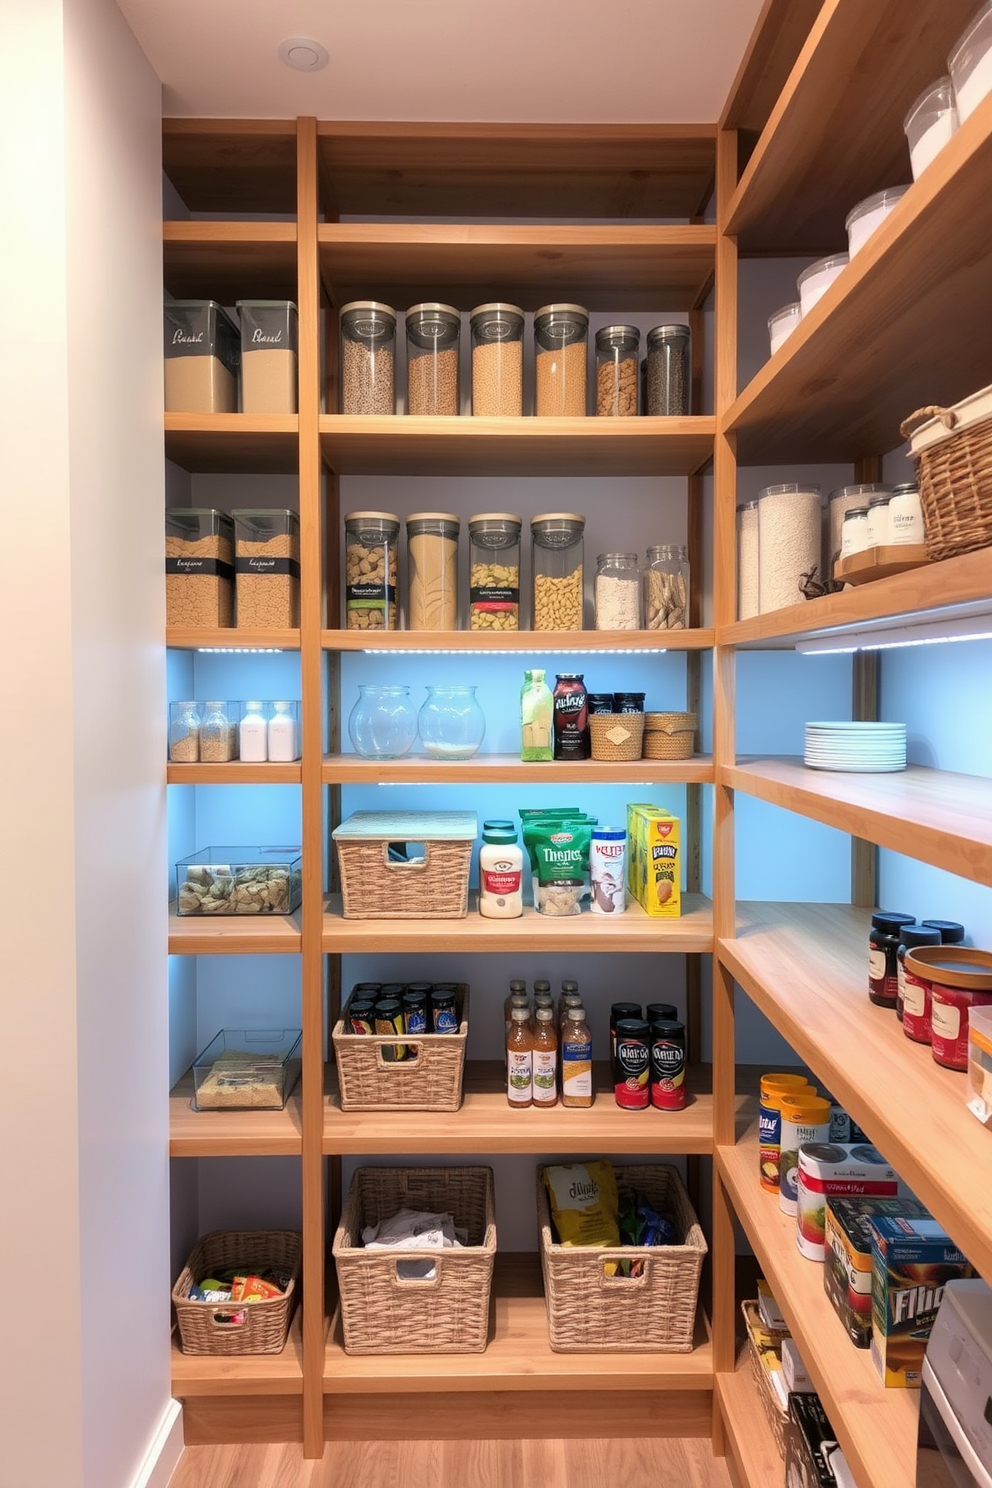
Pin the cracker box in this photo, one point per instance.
(654, 864)
(847, 1274)
(911, 1262)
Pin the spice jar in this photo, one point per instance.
(432, 332)
(219, 733)
(843, 500)
(878, 520)
(905, 515)
(618, 592)
(616, 372)
(789, 543)
(561, 335)
(910, 936)
(668, 371)
(494, 573)
(199, 567)
(497, 360)
(883, 943)
(556, 569)
(854, 537)
(666, 588)
(184, 733)
(371, 570)
(368, 357)
(267, 568)
(432, 561)
(747, 560)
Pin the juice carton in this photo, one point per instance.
(911, 1262)
(654, 868)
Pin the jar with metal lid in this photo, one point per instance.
(878, 520)
(906, 515)
(666, 588)
(432, 334)
(556, 571)
(561, 337)
(910, 936)
(747, 560)
(616, 371)
(371, 570)
(854, 538)
(669, 371)
(789, 543)
(883, 943)
(618, 592)
(494, 574)
(432, 571)
(368, 358)
(840, 503)
(497, 360)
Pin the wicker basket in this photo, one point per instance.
(428, 1079)
(759, 1341)
(376, 885)
(383, 1313)
(590, 1312)
(616, 736)
(263, 1326)
(669, 736)
(953, 454)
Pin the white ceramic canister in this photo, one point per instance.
(930, 123)
(879, 528)
(608, 871)
(816, 280)
(842, 1170)
(868, 216)
(906, 515)
(789, 543)
(782, 324)
(970, 63)
(854, 536)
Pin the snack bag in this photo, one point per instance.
(584, 1206)
(559, 854)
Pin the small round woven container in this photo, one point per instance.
(669, 736)
(616, 736)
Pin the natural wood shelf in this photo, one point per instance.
(526, 642)
(405, 444)
(659, 268)
(231, 1133)
(633, 931)
(880, 563)
(231, 638)
(233, 935)
(938, 817)
(779, 36)
(876, 1427)
(233, 443)
(240, 1374)
(229, 261)
(518, 1355)
(752, 1446)
(503, 769)
(805, 965)
(852, 370)
(237, 772)
(232, 165)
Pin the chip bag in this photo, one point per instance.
(583, 1198)
(559, 855)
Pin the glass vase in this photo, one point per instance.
(452, 724)
(383, 723)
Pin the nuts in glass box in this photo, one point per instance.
(217, 886)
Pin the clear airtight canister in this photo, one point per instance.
(368, 357)
(789, 542)
(618, 592)
(494, 572)
(669, 371)
(370, 570)
(497, 360)
(666, 588)
(747, 560)
(930, 123)
(432, 332)
(556, 569)
(561, 336)
(616, 371)
(432, 571)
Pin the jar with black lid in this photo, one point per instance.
(951, 933)
(909, 936)
(628, 702)
(600, 702)
(883, 944)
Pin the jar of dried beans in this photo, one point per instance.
(616, 371)
(267, 568)
(368, 358)
(497, 361)
(666, 588)
(494, 575)
(561, 339)
(432, 333)
(432, 571)
(556, 571)
(199, 567)
(370, 570)
(668, 371)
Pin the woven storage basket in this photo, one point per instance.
(590, 1312)
(266, 1324)
(778, 1419)
(382, 1313)
(428, 1079)
(376, 886)
(616, 736)
(953, 454)
(669, 735)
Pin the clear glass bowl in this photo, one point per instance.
(452, 724)
(383, 723)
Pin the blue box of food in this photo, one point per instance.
(912, 1260)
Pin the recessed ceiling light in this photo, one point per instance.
(303, 53)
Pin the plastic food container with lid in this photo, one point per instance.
(432, 570)
(497, 360)
(199, 567)
(371, 570)
(494, 572)
(970, 63)
(269, 337)
(782, 324)
(368, 358)
(556, 571)
(616, 371)
(748, 603)
(669, 371)
(202, 357)
(789, 543)
(930, 123)
(432, 335)
(814, 282)
(267, 568)
(561, 337)
(868, 216)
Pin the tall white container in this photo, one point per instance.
(789, 543)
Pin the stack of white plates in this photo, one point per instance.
(856, 746)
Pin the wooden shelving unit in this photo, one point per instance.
(234, 935)
(229, 259)
(239, 443)
(503, 769)
(232, 1133)
(233, 638)
(237, 772)
(525, 642)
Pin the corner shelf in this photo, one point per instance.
(231, 638)
(509, 769)
(752, 1446)
(229, 261)
(198, 1375)
(233, 443)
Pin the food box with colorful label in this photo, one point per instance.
(836, 1170)
(912, 1260)
(654, 865)
(847, 1273)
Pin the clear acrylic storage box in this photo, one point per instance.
(239, 881)
(247, 1069)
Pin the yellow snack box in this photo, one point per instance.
(654, 868)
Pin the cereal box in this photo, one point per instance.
(911, 1262)
(847, 1274)
(654, 866)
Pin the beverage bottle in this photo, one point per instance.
(536, 709)
(519, 1060)
(571, 717)
(576, 1059)
(542, 1000)
(545, 1067)
(517, 999)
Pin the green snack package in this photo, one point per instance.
(559, 855)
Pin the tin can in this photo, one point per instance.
(805, 1118)
(917, 991)
(617, 1011)
(444, 1012)
(366, 989)
(414, 1011)
(389, 1019)
(774, 1088)
(361, 1015)
(959, 978)
(949, 1009)
(668, 1090)
(633, 1064)
(608, 871)
(836, 1170)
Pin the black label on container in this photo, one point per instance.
(259, 563)
(489, 595)
(199, 566)
(382, 593)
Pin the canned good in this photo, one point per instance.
(600, 702)
(628, 702)
(805, 1118)
(910, 935)
(414, 1012)
(774, 1089)
(618, 1011)
(444, 1011)
(361, 1015)
(389, 1019)
(661, 1012)
(668, 1090)
(633, 1064)
(962, 980)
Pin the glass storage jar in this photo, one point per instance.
(371, 570)
(383, 723)
(669, 371)
(452, 725)
(432, 571)
(184, 733)
(618, 592)
(497, 360)
(432, 332)
(616, 371)
(219, 733)
(556, 571)
(494, 574)
(368, 357)
(561, 338)
(666, 588)
(789, 543)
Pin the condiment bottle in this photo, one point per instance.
(805, 1118)
(283, 743)
(774, 1089)
(545, 1075)
(668, 1092)
(253, 745)
(576, 1059)
(910, 935)
(501, 865)
(519, 1060)
(883, 943)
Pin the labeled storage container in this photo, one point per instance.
(199, 568)
(371, 570)
(239, 881)
(497, 360)
(867, 217)
(368, 358)
(617, 592)
(427, 1078)
(267, 568)
(666, 588)
(879, 526)
(494, 572)
(593, 1311)
(432, 334)
(953, 455)
(930, 123)
(247, 1069)
(789, 541)
(854, 536)
(225, 1327)
(782, 324)
(407, 865)
(814, 282)
(561, 335)
(616, 371)
(970, 63)
(906, 527)
(202, 353)
(416, 1301)
(556, 571)
(269, 341)
(669, 371)
(432, 571)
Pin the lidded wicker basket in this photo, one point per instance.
(953, 455)
(616, 736)
(669, 736)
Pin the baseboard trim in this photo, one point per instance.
(162, 1457)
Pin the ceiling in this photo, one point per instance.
(536, 61)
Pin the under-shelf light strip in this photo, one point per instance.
(506, 651)
(934, 633)
(239, 650)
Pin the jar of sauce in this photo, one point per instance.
(883, 943)
(910, 935)
(962, 979)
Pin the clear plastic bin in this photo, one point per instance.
(930, 123)
(432, 334)
(269, 340)
(616, 371)
(371, 569)
(247, 1069)
(970, 63)
(239, 881)
(561, 344)
(494, 573)
(202, 355)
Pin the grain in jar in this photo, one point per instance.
(789, 543)
(371, 570)
(747, 560)
(199, 567)
(432, 571)
(269, 336)
(497, 360)
(616, 371)
(368, 358)
(201, 358)
(494, 571)
(432, 332)
(185, 723)
(267, 568)
(617, 592)
(561, 334)
(556, 571)
(219, 733)
(669, 371)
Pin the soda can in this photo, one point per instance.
(668, 1092)
(361, 1015)
(414, 1012)
(633, 1061)
(617, 1011)
(389, 1019)
(444, 1011)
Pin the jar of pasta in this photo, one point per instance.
(494, 575)
(432, 571)
(556, 566)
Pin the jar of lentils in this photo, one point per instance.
(494, 573)
(561, 339)
(368, 358)
(432, 333)
(556, 568)
(668, 371)
(616, 371)
(497, 360)
(370, 564)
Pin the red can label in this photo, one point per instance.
(668, 1092)
(500, 884)
(949, 1023)
(632, 1072)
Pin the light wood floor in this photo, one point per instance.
(667, 1463)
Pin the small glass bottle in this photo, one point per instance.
(666, 588)
(432, 334)
(669, 371)
(618, 592)
(184, 733)
(253, 735)
(368, 358)
(561, 341)
(283, 739)
(616, 371)
(556, 569)
(545, 1067)
(516, 997)
(520, 1060)
(576, 1059)
(494, 572)
(218, 741)
(497, 360)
